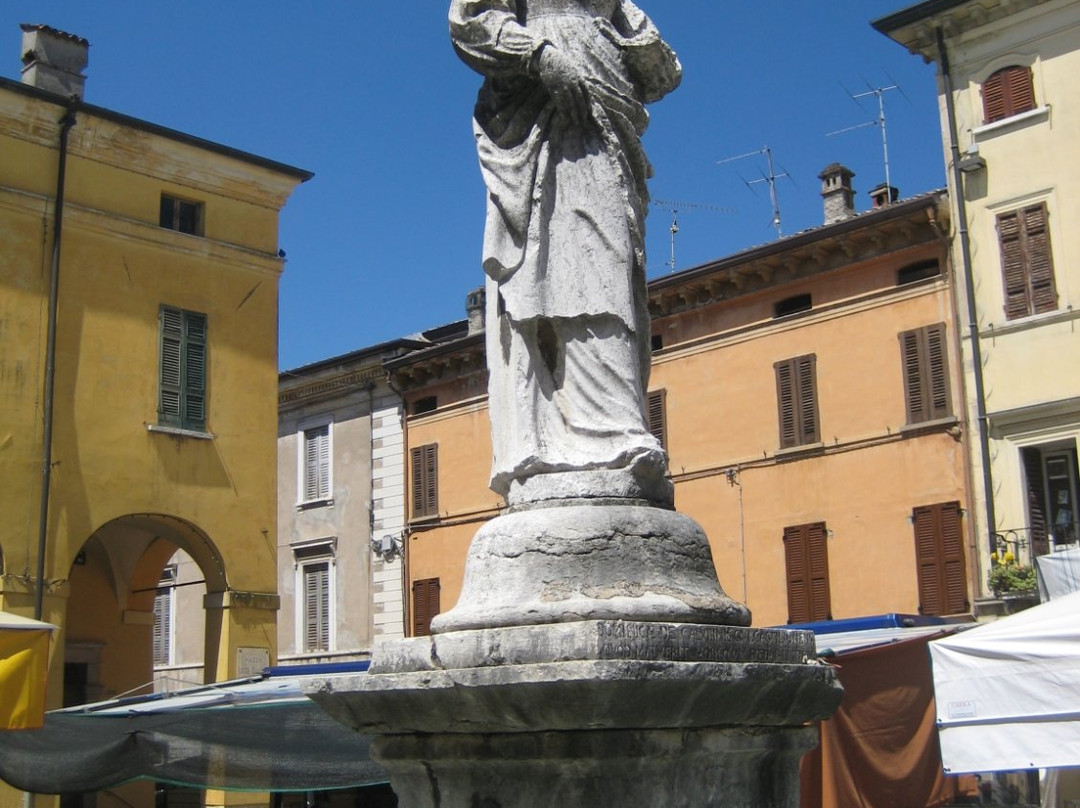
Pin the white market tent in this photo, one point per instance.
(1006, 692)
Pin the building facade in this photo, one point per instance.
(138, 308)
(340, 485)
(810, 396)
(1009, 80)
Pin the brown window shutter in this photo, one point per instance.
(807, 564)
(939, 554)
(1036, 499)
(1027, 263)
(1040, 261)
(993, 93)
(1008, 92)
(796, 395)
(424, 480)
(926, 373)
(425, 605)
(657, 415)
(1013, 266)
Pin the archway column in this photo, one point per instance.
(241, 633)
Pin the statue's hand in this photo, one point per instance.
(564, 83)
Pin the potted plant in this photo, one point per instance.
(1009, 580)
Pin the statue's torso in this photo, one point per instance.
(579, 8)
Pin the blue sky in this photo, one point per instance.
(385, 240)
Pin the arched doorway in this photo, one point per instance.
(121, 620)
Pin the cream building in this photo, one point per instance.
(1009, 87)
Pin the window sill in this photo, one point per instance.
(1030, 321)
(801, 450)
(176, 431)
(314, 503)
(1037, 115)
(936, 425)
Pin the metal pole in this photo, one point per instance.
(66, 123)
(969, 289)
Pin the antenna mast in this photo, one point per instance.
(674, 208)
(770, 178)
(879, 94)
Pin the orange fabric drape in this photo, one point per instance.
(880, 749)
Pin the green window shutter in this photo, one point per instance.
(182, 380)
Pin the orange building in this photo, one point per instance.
(809, 394)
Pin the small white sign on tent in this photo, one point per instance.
(1008, 692)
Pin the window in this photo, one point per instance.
(926, 373)
(806, 556)
(425, 480)
(1007, 92)
(315, 464)
(793, 305)
(657, 342)
(796, 394)
(939, 556)
(921, 271)
(182, 399)
(425, 594)
(315, 563)
(181, 215)
(1053, 487)
(425, 404)
(1027, 264)
(164, 600)
(656, 410)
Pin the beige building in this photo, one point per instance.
(1009, 84)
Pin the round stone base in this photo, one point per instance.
(728, 768)
(590, 562)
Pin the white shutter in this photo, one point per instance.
(317, 463)
(317, 606)
(163, 627)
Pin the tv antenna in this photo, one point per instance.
(770, 178)
(673, 208)
(879, 94)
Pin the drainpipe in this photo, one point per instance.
(66, 123)
(969, 289)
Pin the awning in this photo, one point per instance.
(1007, 695)
(24, 669)
(248, 735)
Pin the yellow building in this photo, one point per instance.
(1008, 80)
(137, 415)
(809, 394)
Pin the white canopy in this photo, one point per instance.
(14, 621)
(1007, 692)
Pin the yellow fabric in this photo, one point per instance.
(24, 667)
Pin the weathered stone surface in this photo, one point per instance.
(590, 562)
(728, 768)
(594, 640)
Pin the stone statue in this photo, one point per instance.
(558, 125)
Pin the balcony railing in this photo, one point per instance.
(1026, 542)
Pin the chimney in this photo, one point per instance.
(474, 309)
(837, 192)
(53, 60)
(884, 195)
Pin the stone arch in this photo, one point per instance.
(113, 581)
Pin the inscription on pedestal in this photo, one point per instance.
(700, 643)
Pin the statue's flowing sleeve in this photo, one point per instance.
(488, 37)
(652, 63)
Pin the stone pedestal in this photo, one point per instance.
(590, 713)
